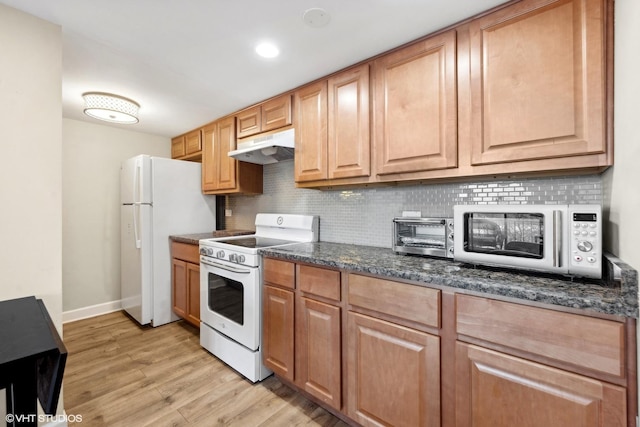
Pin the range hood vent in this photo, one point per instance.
(266, 149)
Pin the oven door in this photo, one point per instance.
(230, 300)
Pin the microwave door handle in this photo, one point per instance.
(557, 238)
(225, 267)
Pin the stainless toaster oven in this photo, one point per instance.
(423, 236)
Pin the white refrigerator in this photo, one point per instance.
(159, 197)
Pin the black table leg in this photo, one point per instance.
(22, 398)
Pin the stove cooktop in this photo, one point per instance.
(255, 242)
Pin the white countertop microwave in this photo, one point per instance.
(562, 239)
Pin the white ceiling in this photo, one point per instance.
(189, 62)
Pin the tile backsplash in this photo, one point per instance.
(363, 216)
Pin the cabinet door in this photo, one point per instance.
(193, 142)
(276, 113)
(249, 121)
(193, 294)
(318, 351)
(348, 124)
(178, 147)
(277, 331)
(537, 81)
(209, 161)
(311, 133)
(393, 374)
(416, 107)
(496, 390)
(179, 279)
(225, 142)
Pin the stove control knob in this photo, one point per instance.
(233, 258)
(203, 251)
(210, 251)
(220, 254)
(241, 259)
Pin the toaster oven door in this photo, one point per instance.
(423, 236)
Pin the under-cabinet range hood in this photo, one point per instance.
(266, 149)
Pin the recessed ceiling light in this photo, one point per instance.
(316, 17)
(267, 50)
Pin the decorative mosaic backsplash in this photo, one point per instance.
(363, 216)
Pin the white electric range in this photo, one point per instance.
(231, 289)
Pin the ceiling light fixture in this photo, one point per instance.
(267, 50)
(111, 108)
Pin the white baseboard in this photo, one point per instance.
(91, 311)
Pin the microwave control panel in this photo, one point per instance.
(585, 228)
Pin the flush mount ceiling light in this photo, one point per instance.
(111, 108)
(267, 50)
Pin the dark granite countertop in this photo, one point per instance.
(617, 297)
(193, 239)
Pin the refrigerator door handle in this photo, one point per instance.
(136, 235)
(136, 181)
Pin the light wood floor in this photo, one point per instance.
(119, 373)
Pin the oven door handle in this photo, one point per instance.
(225, 267)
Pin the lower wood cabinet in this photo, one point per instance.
(277, 331)
(185, 279)
(393, 374)
(498, 390)
(319, 350)
(381, 352)
(302, 328)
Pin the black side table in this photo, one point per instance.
(32, 360)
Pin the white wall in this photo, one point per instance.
(30, 164)
(91, 157)
(622, 181)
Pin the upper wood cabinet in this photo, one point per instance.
(348, 124)
(416, 108)
(222, 174)
(270, 115)
(332, 127)
(188, 146)
(537, 85)
(524, 89)
(311, 132)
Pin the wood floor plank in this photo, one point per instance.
(122, 374)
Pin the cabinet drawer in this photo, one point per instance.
(411, 302)
(584, 341)
(319, 281)
(277, 272)
(185, 252)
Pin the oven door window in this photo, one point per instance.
(507, 234)
(226, 297)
